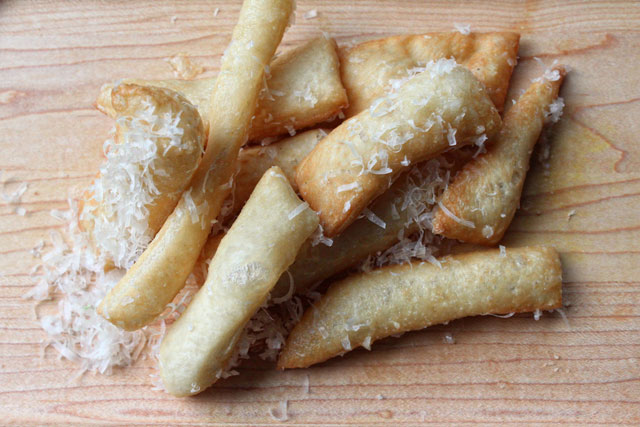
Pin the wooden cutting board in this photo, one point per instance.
(55, 55)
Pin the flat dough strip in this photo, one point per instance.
(162, 269)
(486, 192)
(258, 248)
(368, 68)
(367, 307)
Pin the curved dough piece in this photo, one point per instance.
(486, 192)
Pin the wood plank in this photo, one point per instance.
(54, 56)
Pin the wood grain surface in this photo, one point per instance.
(55, 55)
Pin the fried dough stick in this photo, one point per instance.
(483, 197)
(367, 307)
(304, 89)
(368, 68)
(148, 121)
(445, 106)
(258, 248)
(161, 271)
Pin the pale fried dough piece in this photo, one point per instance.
(253, 161)
(176, 131)
(258, 248)
(442, 107)
(367, 68)
(367, 307)
(304, 89)
(485, 194)
(162, 269)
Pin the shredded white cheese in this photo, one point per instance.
(368, 213)
(297, 210)
(450, 214)
(346, 187)
(313, 13)
(448, 339)
(503, 251)
(464, 29)
(554, 111)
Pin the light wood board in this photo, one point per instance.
(55, 55)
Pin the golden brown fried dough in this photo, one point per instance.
(441, 108)
(304, 89)
(367, 307)
(368, 68)
(258, 248)
(483, 198)
(161, 271)
(148, 120)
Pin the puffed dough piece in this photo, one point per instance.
(367, 307)
(441, 108)
(177, 159)
(486, 192)
(304, 89)
(258, 248)
(368, 68)
(162, 269)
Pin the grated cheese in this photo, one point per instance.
(554, 111)
(318, 237)
(77, 332)
(487, 231)
(126, 185)
(448, 339)
(450, 214)
(313, 13)
(374, 218)
(297, 210)
(346, 187)
(464, 29)
(426, 181)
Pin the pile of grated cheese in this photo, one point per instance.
(78, 266)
